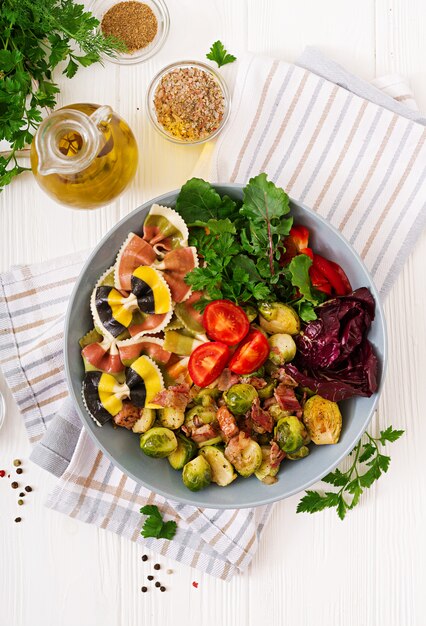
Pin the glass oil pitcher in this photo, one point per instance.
(84, 155)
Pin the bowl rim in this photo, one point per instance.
(153, 86)
(203, 502)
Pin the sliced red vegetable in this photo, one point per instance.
(300, 235)
(318, 279)
(207, 362)
(250, 354)
(226, 322)
(334, 274)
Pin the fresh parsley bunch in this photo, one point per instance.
(368, 464)
(35, 36)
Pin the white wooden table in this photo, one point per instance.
(369, 570)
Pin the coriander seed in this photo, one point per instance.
(16, 462)
(20, 502)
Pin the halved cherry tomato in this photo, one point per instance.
(300, 235)
(250, 354)
(334, 274)
(207, 362)
(226, 322)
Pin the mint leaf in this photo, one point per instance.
(219, 54)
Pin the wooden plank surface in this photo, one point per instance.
(366, 571)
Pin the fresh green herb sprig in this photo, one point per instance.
(35, 36)
(154, 525)
(219, 54)
(351, 484)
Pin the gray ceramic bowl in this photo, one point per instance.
(122, 446)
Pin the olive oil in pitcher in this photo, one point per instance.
(84, 155)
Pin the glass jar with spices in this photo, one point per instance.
(188, 102)
(143, 25)
(84, 155)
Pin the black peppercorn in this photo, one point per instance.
(22, 494)
(144, 589)
(144, 557)
(14, 485)
(28, 489)
(18, 519)
(157, 584)
(157, 566)
(19, 470)
(150, 577)
(162, 589)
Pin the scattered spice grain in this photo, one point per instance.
(20, 502)
(150, 577)
(144, 557)
(22, 494)
(28, 489)
(16, 462)
(157, 584)
(157, 566)
(18, 519)
(2, 473)
(169, 571)
(189, 103)
(162, 588)
(19, 470)
(132, 22)
(14, 485)
(144, 589)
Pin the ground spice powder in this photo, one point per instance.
(132, 22)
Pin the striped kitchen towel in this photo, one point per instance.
(323, 137)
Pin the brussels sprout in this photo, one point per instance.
(210, 442)
(290, 434)
(250, 311)
(276, 317)
(240, 397)
(300, 454)
(158, 442)
(222, 471)
(170, 417)
(205, 414)
(185, 451)
(244, 454)
(323, 420)
(268, 391)
(283, 348)
(197, 474)
(145, 421)
(266, 473)
(277, 412)
(207, 397)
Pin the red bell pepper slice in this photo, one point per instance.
(333, 273)
(300, 236)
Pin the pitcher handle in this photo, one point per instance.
(102, 116)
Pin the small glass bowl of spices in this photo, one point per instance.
(143, 25)
(188, 102)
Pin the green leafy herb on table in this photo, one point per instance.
(219, 54)
(351, 484)
(35, 36)
(154, 525)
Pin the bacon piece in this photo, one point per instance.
(134, 252)
(287, 400)
(176, 397)
(269, 402)
(203, 433)
(103, 359)
(285, 378)
(235, 448)
(262, 420)
(128, 415)
(227, 423)
(226, 380)
(255, 381)
(276, 455)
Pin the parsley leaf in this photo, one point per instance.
(352, 482)
(298, 270)
(154, 525)
(219, 54)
